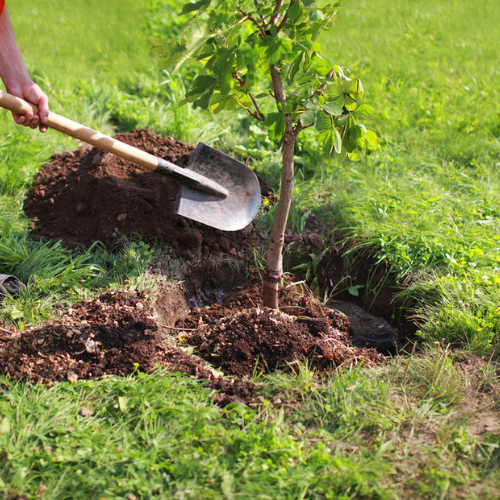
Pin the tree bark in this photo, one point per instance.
(273, 272)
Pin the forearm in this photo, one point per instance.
(17, 81)
(12, 69)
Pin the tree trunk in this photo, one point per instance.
(273, 272)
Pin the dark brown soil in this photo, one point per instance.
(88, 195)
(118, 333)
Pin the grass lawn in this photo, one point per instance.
(426, 425)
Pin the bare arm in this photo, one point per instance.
(17, 80)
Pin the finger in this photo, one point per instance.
(43, 108)
(35, 122)
(19, 119)
(28, 118)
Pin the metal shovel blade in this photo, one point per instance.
(229, 214)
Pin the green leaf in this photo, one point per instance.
(364, 110)
(202, 83)
(196, 38)
(354, 290)
(160, 46)
(328, 141)
(225, 84)
(332, 108)
(350, 103)
(173, 57)
(342, 120)
(295, 66)
(310, 105)
(124, 404)
(308, 117)
(16, 313)
(294, 11)
(371, 140)
(242, 150)
(316, 15)
(190, 7)
(276, 125)
(204, 101)
(338, 141)
(358, 136)
(355, 155)
(323, 121)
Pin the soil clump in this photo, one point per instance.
(88, 195)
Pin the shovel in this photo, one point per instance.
(216, 190)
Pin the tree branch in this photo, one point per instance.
(261, 116)
(258, 115)
(276, 15)
(285, 18)
(254, 21)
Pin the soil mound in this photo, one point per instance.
(263, 340)
(87, 195)
(113, 334)
(241, 337)
(119, 332)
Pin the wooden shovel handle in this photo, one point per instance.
(82, 133)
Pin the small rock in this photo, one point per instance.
(121, 217)
(190, 238)
(80, 208)
(85, 412)
(224, 243)
(233, 251)
(316, 241)
(51, 201)
(72, 377)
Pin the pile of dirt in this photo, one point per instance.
(111, 334)
(118, 332)
(264, 340)
(88, 195)
(240, 336)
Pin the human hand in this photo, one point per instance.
(32, 93)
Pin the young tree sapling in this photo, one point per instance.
(264, 56)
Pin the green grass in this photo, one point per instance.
(359, 434)
(426, 203)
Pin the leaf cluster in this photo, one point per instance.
(240, 44)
